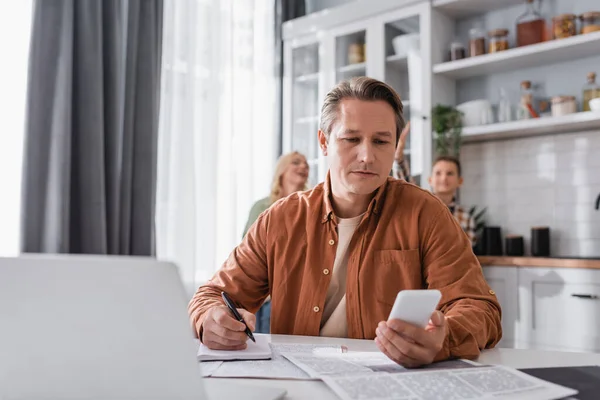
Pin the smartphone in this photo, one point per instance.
(415, 306)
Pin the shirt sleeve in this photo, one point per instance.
(471, 308)
(243, 276)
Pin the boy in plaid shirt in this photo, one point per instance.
(445, 180)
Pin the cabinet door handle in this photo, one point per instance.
(585, 296)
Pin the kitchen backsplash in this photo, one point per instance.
(541, 181)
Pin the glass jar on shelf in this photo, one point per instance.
(591, 90)
(476, 42)
(526, 110)
(498, 40)
(564, 26)
(590, 22)
(457, 51)
(531, 26)
(356, 53)
(563, 105)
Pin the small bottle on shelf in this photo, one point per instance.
(526, 110)
(591, 90)
(504, 107)
(531, 26)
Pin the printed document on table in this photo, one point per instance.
(482, 383)
(276, 368)
(318, 365)
(207, 368)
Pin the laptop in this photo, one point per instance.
(101, 327)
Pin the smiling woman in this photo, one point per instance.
(291, 175)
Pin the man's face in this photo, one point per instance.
(360, 149)
(444, 178)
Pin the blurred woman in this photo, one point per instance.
(291, 175)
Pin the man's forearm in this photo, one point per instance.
(206, 297)
(473, 325)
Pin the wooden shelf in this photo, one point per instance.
(550, 52)
(465, 8)
(347, 69)
(547, 262)
(532, 127)
(308, 78)
(398, 62)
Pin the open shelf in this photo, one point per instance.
(347, 69)
(464, 8)
(533, 127)
(398, 62)
(308, 78)
(550, 52)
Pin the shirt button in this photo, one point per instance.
(492, 292)
(326, 271)
(332, 242)
(316, 308)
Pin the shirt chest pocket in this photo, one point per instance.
(396, 270)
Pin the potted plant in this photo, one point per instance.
(479, 217)
(447, 125)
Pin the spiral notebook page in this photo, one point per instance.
(255, 351)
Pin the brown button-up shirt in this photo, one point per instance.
(407, 239)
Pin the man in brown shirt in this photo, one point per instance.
(334, 258)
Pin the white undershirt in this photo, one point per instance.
(334, 322)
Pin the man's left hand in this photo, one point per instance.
(410, 345)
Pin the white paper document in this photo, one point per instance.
(255, 351)
(277, 367)
(317, 365)
(207, 368)
(482, 383)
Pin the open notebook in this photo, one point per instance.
(255, 351)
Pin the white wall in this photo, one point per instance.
(550, 180)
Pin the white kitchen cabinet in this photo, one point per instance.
(503, 281)
(560, 308)
(318, 54)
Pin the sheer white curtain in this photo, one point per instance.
(15, 33)
(217, 139)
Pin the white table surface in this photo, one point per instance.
(510, 357)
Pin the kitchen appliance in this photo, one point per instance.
(540, 241)
(513, 245)
(493, 240)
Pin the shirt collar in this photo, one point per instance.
(452, 205)
(374, 206)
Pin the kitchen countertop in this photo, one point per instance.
(552, 262)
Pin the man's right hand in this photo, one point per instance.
(220, 331)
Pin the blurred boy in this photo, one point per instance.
(445, 180)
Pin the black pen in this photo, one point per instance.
(237, 315)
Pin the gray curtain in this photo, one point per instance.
(285, 10)
(92, 121)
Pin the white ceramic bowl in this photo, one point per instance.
(595, 104)
(404, 43)
(474, 112)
